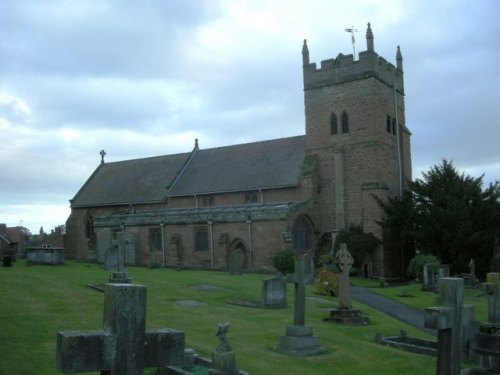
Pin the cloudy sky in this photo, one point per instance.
(142, 78)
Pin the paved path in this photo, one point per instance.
(390, 307)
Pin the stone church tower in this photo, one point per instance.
(357, 138)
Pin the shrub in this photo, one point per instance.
(284, 261)
(418, 262)
(326, 283)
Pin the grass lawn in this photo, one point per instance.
(36, 302)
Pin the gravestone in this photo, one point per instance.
(274, 293)
(487, 340)
(345, 314)
(472, 277)
(124, 347)
(298, 339)
(236, 261)
(223, 358)
(428, 277)
(117, 261)
(447, 319)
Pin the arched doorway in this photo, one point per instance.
(302, 233)
(237, 257)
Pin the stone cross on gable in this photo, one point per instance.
(124, 347)
(344, 261)
(492, 290)
(303, 275)
(102, 153)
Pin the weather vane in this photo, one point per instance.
(352, 30)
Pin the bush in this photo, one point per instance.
(418, 262)
(284, 261)
(326, 283)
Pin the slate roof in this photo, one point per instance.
(268, 164)
(130, 181)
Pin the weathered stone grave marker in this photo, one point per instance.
(428, 277)
(487, 343)
(115, 258)
(345, 314)
(472, 274)
(274, 293)
(447, 319)
(223, 357)
(299, 339)
(124, 347)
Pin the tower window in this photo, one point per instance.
(334, 126)
(388, 124)
(345, 123)
(394, 126)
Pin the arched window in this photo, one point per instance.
(334, 126)
(89, 227)
(302, 235)
(345, 123)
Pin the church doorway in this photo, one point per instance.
(237, 257)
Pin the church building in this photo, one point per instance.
(236, 206)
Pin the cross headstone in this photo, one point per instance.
(298, 339)
(303, 275)
(124, 347)
(344, 262)
(119, 274)
(447, 319)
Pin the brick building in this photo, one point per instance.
(243, 203)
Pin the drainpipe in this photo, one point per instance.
(162, 225)
(211, 242)
(250, 244)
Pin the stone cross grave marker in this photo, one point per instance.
(303, 275)
(117, 254)
(298, 339)
(492, 290)
(124, 347)
(344, 261)
(447, 319)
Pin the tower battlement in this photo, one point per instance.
(344, 68)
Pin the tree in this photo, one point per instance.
(449, 215)
(455, 219)
(398, 233)
(361, 245)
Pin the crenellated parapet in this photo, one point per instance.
(344, 68)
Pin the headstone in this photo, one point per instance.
(428, 277)
(223, 358)
(274, 293)
(447, 319)
(472, 277)
(124, 347)
(345, 314)
(7, 261)
(487, 339)
(298, 339)
(117, 260)
(236, 262)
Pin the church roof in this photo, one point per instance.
(258, 165)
